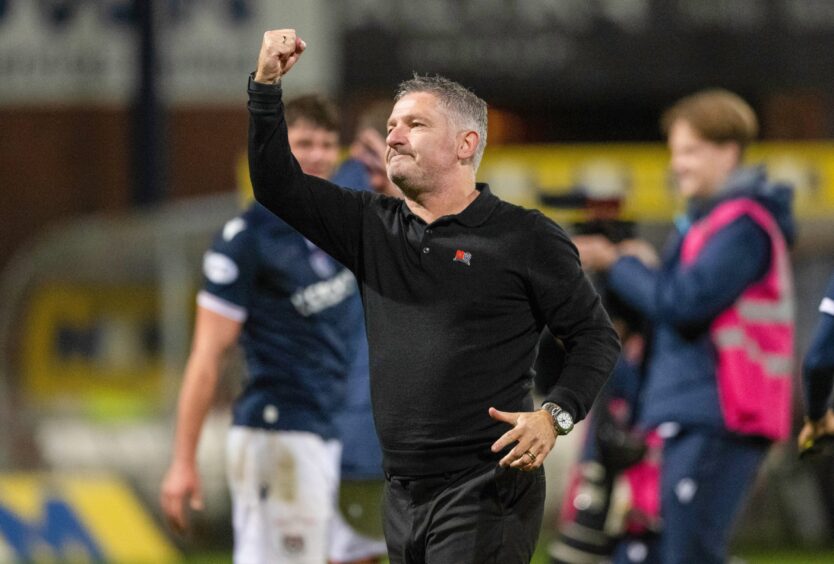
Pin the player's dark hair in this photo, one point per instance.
(318, 110)
(468, 110)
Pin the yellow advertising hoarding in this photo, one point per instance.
(49, 518)
(97, 346)
(639, 173)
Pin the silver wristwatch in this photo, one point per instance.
(562, 420)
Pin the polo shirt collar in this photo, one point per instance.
(475, 213)
(480, 208)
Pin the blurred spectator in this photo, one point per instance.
(366, 165)
(818, 380)
(720, 302)
(357, 529)
(297, 315)
(611, 446)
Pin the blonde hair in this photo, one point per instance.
(718, 115)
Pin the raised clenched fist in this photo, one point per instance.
(280, 50)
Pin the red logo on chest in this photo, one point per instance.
(463, 256)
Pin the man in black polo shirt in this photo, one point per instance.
(456, 286)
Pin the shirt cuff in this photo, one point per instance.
(222, 307)
(567, 400)
(261, 93)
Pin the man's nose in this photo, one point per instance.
(395, 137)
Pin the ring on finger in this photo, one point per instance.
(531, 455)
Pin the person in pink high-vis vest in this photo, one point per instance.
(720, 300)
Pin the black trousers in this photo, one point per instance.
(481, 515)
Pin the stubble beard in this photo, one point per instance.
(407, 183)
(409, 191)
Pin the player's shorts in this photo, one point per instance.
(283, 486)
(356, 531)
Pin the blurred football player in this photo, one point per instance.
(297, 315)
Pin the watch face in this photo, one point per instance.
(564, 420)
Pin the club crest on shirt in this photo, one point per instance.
(463, 256)
(320, 262)
(219, 268)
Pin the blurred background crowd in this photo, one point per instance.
(122, 138)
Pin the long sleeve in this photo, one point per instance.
(818, 366)
(329, 216)
(573, 313)
(690, 297)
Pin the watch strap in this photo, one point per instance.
(555, 410)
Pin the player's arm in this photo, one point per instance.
(818, 377)
(214, 335)
(327, 215)
(818, 364)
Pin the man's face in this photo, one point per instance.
(315, 148)
(422, 142)
(700, 166)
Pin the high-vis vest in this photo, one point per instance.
(754, 338)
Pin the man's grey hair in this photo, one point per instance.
(467, 110)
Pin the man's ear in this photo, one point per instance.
(468, 145)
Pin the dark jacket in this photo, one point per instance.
(681, 303)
